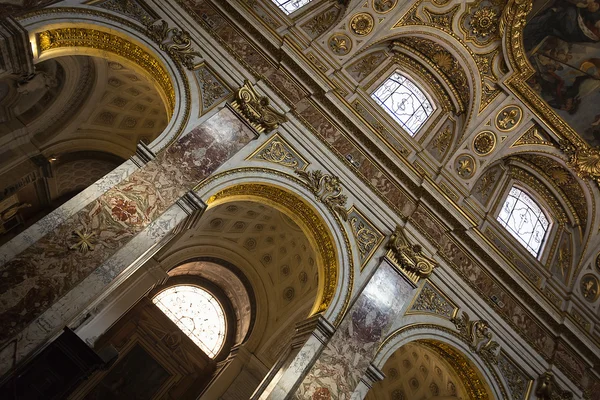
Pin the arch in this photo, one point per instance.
(321, 226)
(59, 32)
(480, 375)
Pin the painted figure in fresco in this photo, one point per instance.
(573, 21)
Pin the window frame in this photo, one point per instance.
(419, 84)
(544, 210)
(278, 7)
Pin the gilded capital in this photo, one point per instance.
(408, 257)
(256, 110)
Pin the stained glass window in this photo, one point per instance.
(289, 6)
(404, 101)
(525, 220)
(197, 313)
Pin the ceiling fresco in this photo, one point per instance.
(562, 40)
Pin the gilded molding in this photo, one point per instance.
(305, 216)
(408, 258)
(81, 37)
(256, 109)
(278, 151)
(534, 136)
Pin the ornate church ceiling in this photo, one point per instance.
(562, 41)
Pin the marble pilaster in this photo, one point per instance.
(45, 282)
(306, 345)
(347, 356)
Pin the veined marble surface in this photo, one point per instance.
(38, 277)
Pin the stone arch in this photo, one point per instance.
(80, 31)
(323, 228)
(444, 338)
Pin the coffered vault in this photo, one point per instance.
(512, 109)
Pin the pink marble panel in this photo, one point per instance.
(347, 356)
(37, 277)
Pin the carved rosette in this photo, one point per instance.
(256, 110)
(408, 258)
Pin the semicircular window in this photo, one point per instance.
(289, 6)
(197, 313)
(523, 217)
(404, 101)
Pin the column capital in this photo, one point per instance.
(408, 258)
(317, 326)
(143, 155)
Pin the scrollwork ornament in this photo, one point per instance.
(175, 41)
(478, 335)
(585, 161)
(408, 257)
(327, 189)
(365, 238)
(256, 109)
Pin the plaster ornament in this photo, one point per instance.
(362, 24)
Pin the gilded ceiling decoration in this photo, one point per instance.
(481, 19)
(277, 151)
(256, 109)
(384, 6)
(465, 166)
(340, 44)
(367, 236)
(484, 143)
(212, 89)
(362, 24)
(508, 118)
(80, 37)
(321, 23)
(590, 288)
(535, 136)
(130, 8)
(431, 300)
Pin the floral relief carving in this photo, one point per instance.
(362, 24)
(367, 236)
(320, 23)
(430, 300)
(175, 41)
(278, 151)
(340, 44)
(477, 333)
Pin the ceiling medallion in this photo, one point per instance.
(590, 287)
(484, 143)
(508, 118)
(340, 44)
(484, 22)
(384, 6)
(465, 166)
(362, 24)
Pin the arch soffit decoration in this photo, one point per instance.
(322, 227)
(478, 377)
(99, 34)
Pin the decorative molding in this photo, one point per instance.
(367, 236)
(362, 24)
(81, 37)
(431, 300)
(327, 189)
(175, 41)
(584, 160)
(408, 258)
(277, 151)
(534, 135)
(256, 109)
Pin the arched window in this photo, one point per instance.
(404, 101)
(289, 6)
(525, 220)
(197, 313)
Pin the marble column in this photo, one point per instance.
(56, 277)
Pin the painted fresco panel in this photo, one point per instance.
(562, 40)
